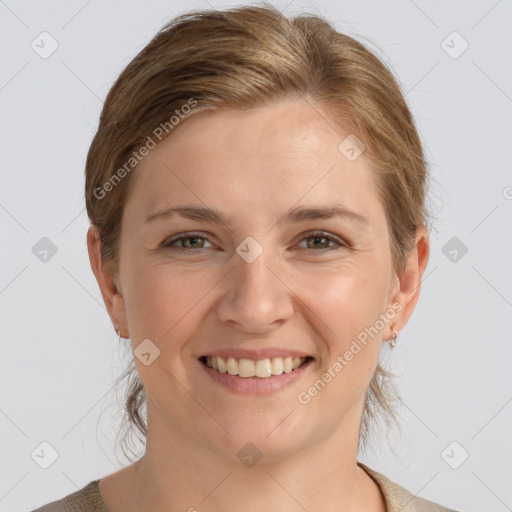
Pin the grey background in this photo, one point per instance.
(59, 352)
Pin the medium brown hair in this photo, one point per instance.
(245, 58)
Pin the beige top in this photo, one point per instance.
(397, 498)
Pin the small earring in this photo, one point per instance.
(392, 340)
(118, 332)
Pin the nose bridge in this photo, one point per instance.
(255, 298)
(253, 280)
(251, 259)
(254, 276)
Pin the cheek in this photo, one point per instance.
(341, 309)
(163, 300)
(347, 298)
(344, 302)
(164, 306)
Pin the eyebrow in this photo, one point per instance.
(294, 215)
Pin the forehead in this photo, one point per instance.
(259, 158)
(288, 130)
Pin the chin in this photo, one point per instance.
(267, 437)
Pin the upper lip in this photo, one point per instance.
(255, 354)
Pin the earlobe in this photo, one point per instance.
(112, 298)
(119, 315)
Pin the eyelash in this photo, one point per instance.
(311, 234)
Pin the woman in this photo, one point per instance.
(256, 191)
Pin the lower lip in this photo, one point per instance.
(256, 385)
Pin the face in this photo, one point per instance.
(271, 279)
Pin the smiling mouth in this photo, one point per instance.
(247, 368)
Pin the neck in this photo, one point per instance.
(177, 474)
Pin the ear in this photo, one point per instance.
(112, 297)
(406, 290)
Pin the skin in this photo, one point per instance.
(299, 293)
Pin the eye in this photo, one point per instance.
(320, 240)
(191, 242)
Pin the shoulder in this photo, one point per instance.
(87, 499)
(398, 498)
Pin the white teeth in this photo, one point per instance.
(221, 364)
(246, 368)
(232, 366)
(263, 368)
(277, 366)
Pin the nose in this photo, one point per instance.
(256, 298)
